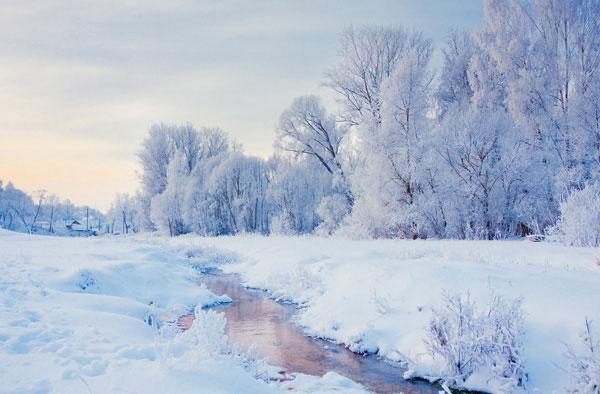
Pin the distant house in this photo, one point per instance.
(77, 229)
(71, 223)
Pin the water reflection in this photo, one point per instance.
(254, 318)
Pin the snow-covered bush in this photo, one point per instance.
(454, 333)
(205, 257)
(502, 330)
(207, 333)
(331, 210)
(585, 368)
(251, 361)
(294, 285)
(470, 341)
(204, 339)
(579, 221)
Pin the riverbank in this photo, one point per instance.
(378, 296)
(81, 315)
(255, 320)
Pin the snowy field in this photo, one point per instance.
(378, 296)
(74, 319)
(81, 314)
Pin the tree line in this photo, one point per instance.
(502, 141)
(485, 148)
(42, 212)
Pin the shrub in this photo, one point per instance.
(503, 329)
(203, 340)
(251, 361)
(453, 334)
(579, 221)
(584, 370)
(470, 341)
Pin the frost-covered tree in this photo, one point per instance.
(505, 68)
(455, 86)
(122, 215)
(6, 219)
(214, 142)
(163, 144)
(52, 207)
(369, 55)
(167, 207)
(483, 157)
(240, 186)
(23, 210)
(387, 186)
(586, 91)
(227, 194)
(156, 153)
(297, 188)
(546, 52)
(38, 197)
(187, 142)
(307, 129)
(154, 157)
(67, 209)
(202, 212)
(511, 128)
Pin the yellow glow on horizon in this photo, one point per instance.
(75, 170)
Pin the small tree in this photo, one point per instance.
(52, 202)
(24, 207)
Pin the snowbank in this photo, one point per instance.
(378, 296)
(74, 316)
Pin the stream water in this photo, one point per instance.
(254, 318)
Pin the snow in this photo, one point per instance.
(378, 295)
(74, 316)
(75, 312)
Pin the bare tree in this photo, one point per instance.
(52, 202)
(214, 142)
(155, 155)
(306, 129)
(187, 141)
(25, 209)
(369, 56)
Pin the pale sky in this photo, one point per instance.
(82, 81)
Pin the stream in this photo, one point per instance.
(254, 318)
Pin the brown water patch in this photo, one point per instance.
(254, 318)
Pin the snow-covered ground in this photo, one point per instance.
(379, 295)
(74, 319)
(74, 311)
